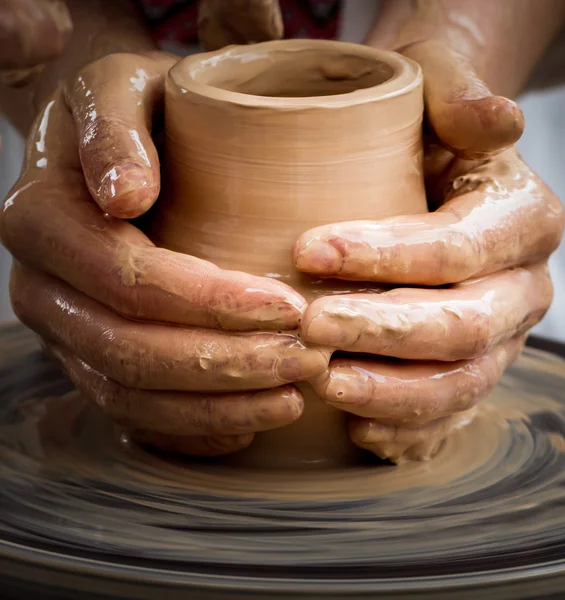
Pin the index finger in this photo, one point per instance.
(51, 223)
(501, 216)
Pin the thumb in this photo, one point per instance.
(461, 111)
(113, 102)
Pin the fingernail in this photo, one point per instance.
(124, 191)
(318, 257)
(328, 329)
(303, 365)
(345, 389)
(294, 403)
(269, 409)
(283, 314)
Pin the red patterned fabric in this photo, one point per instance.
(174, 21)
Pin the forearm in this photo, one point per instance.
(503, 40)
(100, 28)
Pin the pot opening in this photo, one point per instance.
(292, 74)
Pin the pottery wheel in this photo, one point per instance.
(84, 513)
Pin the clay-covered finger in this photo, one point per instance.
(412, 392)
(66, 235)
(466, 117)
(461, 322)
(115, 263)
(182, 414)
(497, 215)
(155, 356)
(113, 102)
(32, 32)
(399, 443)
(203, 446)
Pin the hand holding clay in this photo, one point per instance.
(139, 329)
(31, 33)
(481, 263)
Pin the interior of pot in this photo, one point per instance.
(305, 72)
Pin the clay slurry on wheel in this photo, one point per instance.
(78, 498)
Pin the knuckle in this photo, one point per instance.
(479, 331)
(236, 422)
(469, 398)
(460, 256)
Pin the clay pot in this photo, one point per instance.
(266, 141)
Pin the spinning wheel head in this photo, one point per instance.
(84, 509)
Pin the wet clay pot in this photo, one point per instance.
(266, 141)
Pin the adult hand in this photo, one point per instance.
(479, 263)
(164, 343)
(225, 22)
(31, 33)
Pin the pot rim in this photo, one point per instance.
(406, 77)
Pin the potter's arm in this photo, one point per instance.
(503, 41)
(461, 46)
(100, 28)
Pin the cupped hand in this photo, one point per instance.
(169, 345)
(31, 33)
(477, 267)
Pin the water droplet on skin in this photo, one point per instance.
(206, 363)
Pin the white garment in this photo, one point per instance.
(542, 146)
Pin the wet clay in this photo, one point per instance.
(488, 504)
(264, 142)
